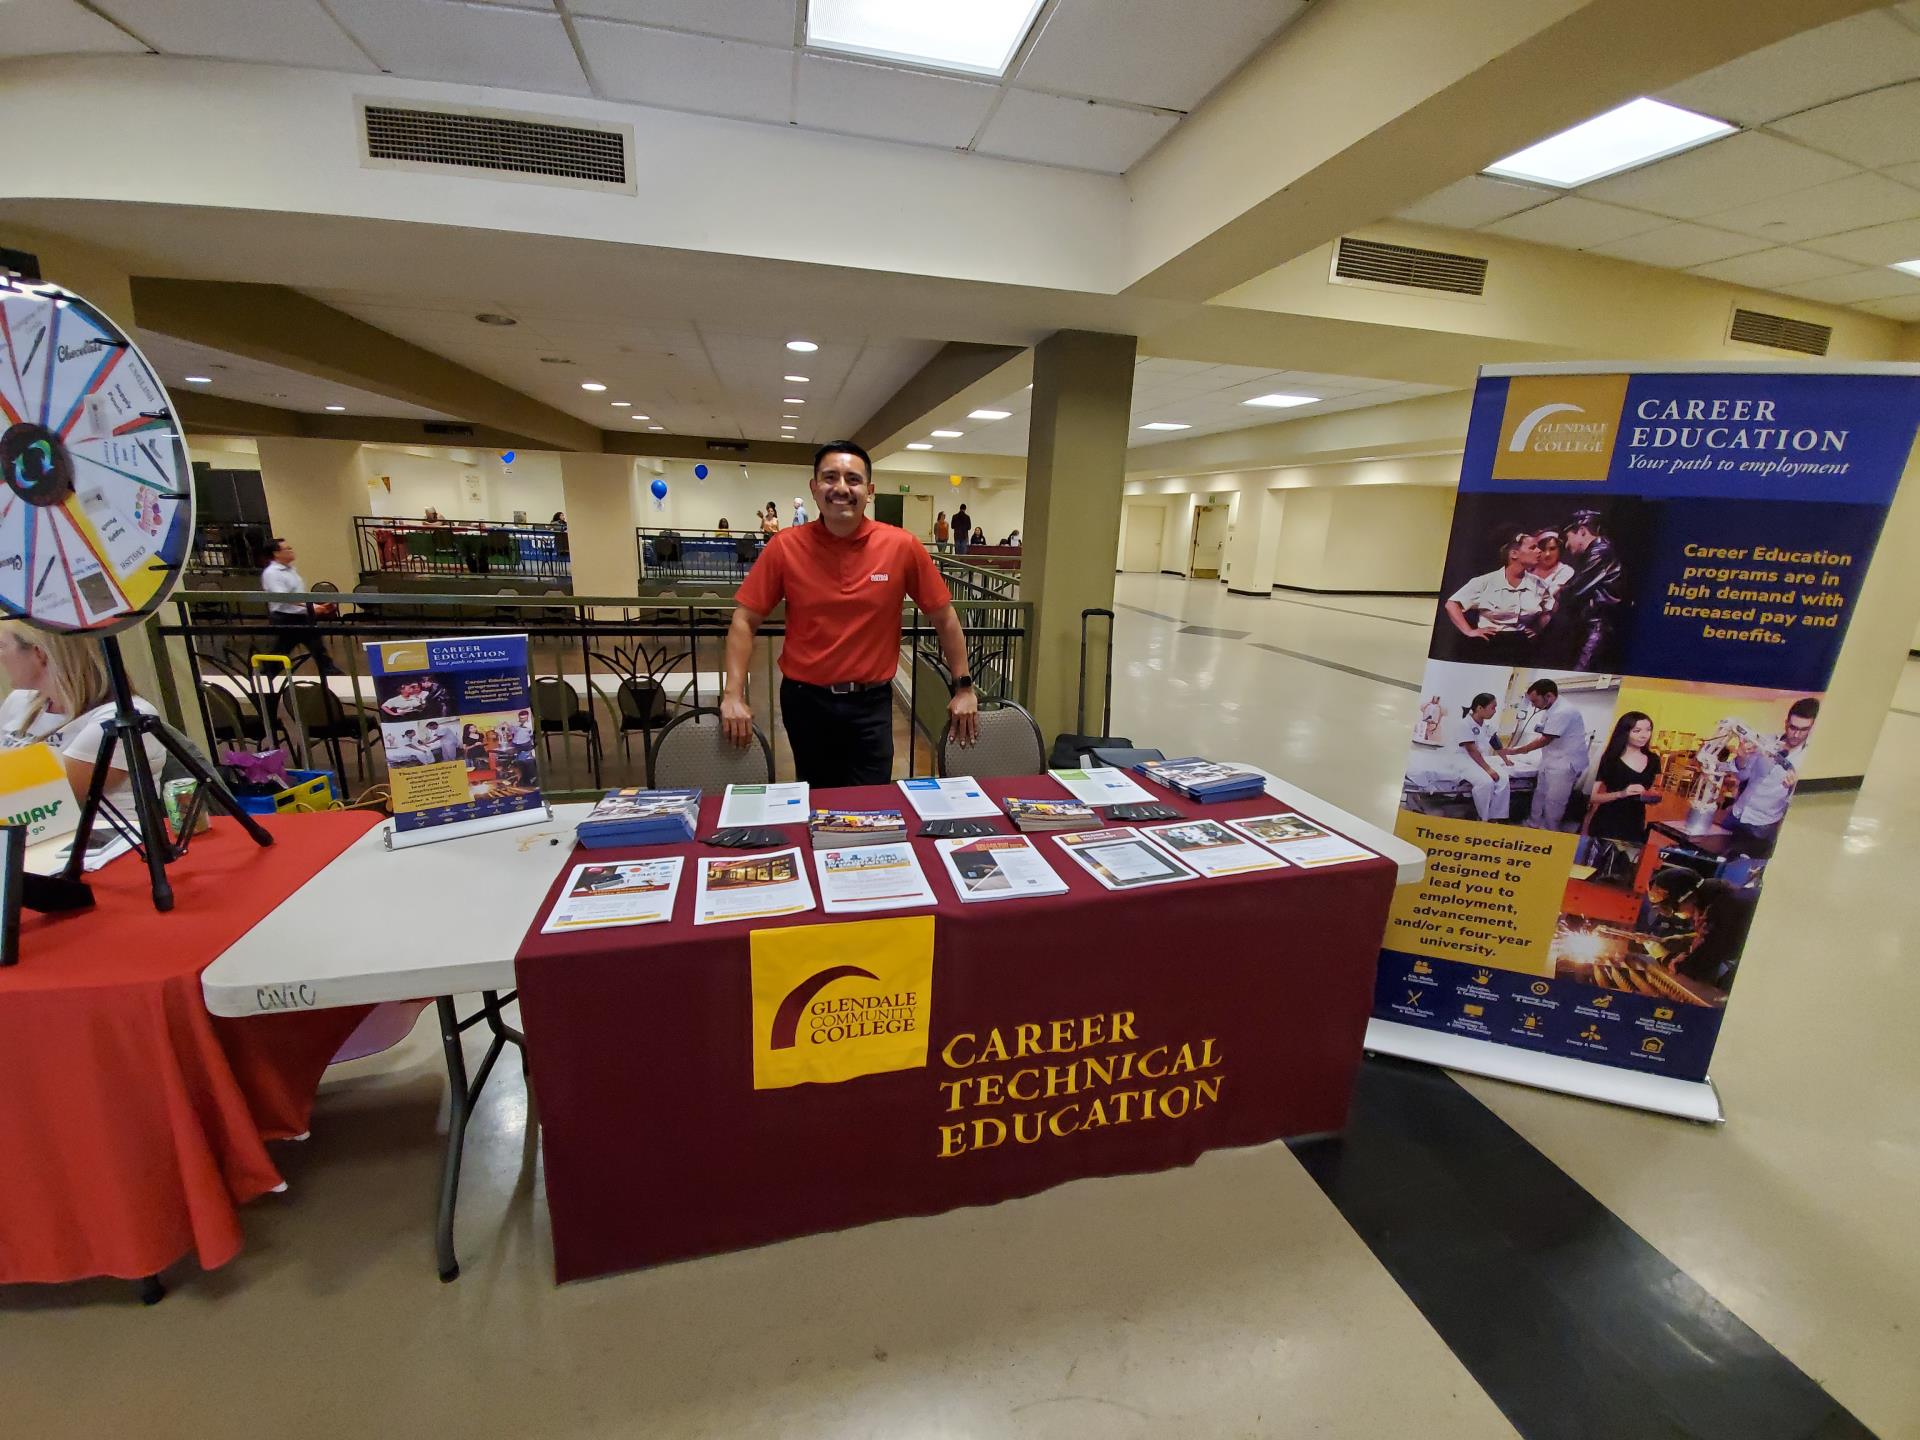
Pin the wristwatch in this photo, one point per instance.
(963, 682)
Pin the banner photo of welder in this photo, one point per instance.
(1648, 580)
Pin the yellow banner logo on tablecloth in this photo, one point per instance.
(1559, 427)
(834, 1001)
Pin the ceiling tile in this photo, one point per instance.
(1151, 52)
(1575, 222)
(769, 22)
(688, 72)
(1876, 245)
(1863, 52)
(1719, 176)
(857, 98)
(1905, 174)
(1875, 130)
(1678, 246)
(1900, 307)
(1770, 269)
(1849, 204)
(471, 44)
(1051, 131)
(284, 32)
(1876, 284)
(59, 27)
(1475, 201)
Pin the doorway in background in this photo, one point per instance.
(1209, 541)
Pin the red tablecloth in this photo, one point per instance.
(132, 1122)
(643, 1044)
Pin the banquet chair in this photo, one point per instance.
(557, 711)
(691, 752)
(228, 721)
(1009, 744)
(323, 717)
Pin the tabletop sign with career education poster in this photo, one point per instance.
(457, 723)
(1649, 576)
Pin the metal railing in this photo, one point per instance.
(666, 554)
(621, 668)
(395, 546)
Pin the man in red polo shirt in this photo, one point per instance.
(844, 578)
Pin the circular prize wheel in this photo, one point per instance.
(96, 512)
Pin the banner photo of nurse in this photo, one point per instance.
(1648, 580)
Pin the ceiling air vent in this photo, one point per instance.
(444, 427)
(1777, 332)
(502, 144)
(1372, 262)
(727, 447)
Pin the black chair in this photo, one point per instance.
(325, 587)
(1010, 744)
(323, 717)
(229, 722)
(557, 711)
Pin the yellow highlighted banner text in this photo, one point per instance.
(834, 1001)
(1491, 895)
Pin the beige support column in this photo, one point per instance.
(314, 489)
(1254, 541)
(600, 521)
(1076, 468)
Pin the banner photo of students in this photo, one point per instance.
(1648, 579)
(456, 720)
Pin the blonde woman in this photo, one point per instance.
(61, 698)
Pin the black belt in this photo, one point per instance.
(845, 687)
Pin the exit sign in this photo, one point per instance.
(906, 489)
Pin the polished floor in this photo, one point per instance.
(1230, 1299)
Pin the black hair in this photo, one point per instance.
(1806, 709)
(271, 549)
(1543, 687)
(1509, 541)
(842, 447)
(1678, 882)
(1483, 698)
(1617, 743)
(1585, 520)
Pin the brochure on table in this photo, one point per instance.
(1122, 859)
(952, 797)
(784, 804)
(34, 792)
(856, 878)
(751, 887)
(624, 892)
(1102, 785)
(456, 722)
(1212, 849)
(998, 867)
(1300, 841)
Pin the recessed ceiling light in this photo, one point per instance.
(336, 408)
(1165, 425)
(988, 414)
(978, 37)
(919, 445)
(198, 379)
(798, 379)
(948, 434)
(805, 347)
(793, 400)
(639, 417)
(656, 427)
(1631, 134)
(623, 404)
(789, 427)
(591, 385)
(1912, 267)
(1282, 402)
(489, 317)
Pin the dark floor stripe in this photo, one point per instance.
(1335, 665)
(1216, 634)
(1154, 613)
(1575, 1327)
(1900, 710)
(1363, 614)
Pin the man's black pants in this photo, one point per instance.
(839, 739)
(292, 631)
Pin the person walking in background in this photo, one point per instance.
(962, 530)
(293, 620)
(799, 511)
(941, 533)
(770, 519)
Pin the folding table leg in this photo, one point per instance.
(457, 1108)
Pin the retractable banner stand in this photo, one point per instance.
(457, 723)
(1648, 579)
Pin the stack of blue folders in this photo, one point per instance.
(1206, 782)
(641, 817)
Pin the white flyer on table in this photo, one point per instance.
(751, 887)
(1121, 859)
(998, 867)
(870, 877)
(1302, 841)
(1212, 849)
(952, 797)
(628, 892)
(1102, 785)
(784, 804)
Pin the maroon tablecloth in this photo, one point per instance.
(658, 1146)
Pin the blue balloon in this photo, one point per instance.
(659, 489)
(506, 457)
(700, 472)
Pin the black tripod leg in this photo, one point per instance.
(90, 806)
(153, 823)
(213, 787)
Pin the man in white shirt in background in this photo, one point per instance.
(1557, 729)
(1768, 779)
(293, 621)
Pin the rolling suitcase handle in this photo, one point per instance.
(1106, 691)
